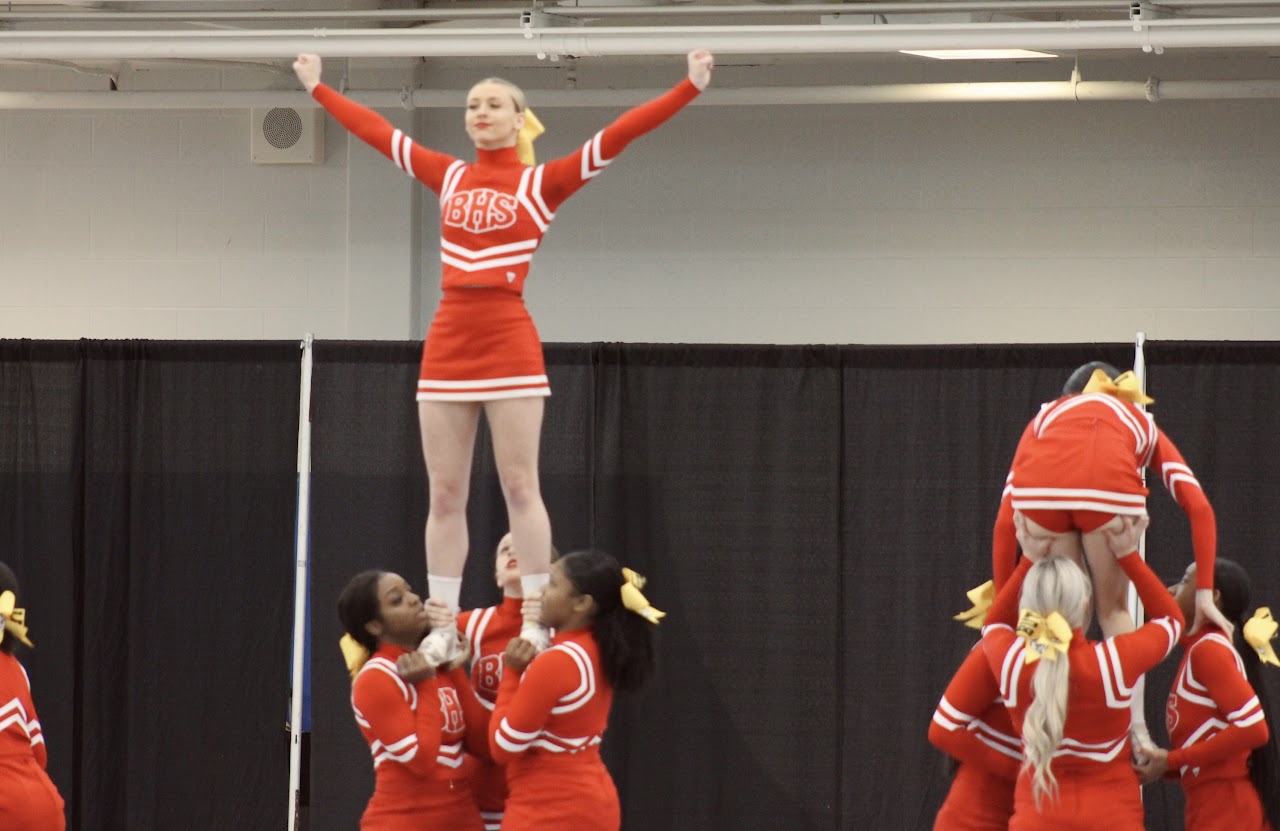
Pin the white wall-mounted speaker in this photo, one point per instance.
(284, 135)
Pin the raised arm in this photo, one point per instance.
(998, 637)
(427, 166)
(1130, 655)
(559, 179)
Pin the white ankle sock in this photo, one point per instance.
(448, 589)
(532, 584)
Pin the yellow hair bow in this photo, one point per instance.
(15, 620)
(1126, 386)
(1046, 637)
(524, 139)
(635, 601)
(354, 654)
(981, 597)
(1258, 632)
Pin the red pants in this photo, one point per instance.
(28, 798)
(977, 801)
(1225, 805)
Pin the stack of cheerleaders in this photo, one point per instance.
(493, 718)
(1046, 728)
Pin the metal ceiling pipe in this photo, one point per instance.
(544, 42)
(1120, 7)
(1150, 90)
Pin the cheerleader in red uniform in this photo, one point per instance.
(553, 708)
(1078, 469)
(482, 351)
(1223, 753)
(418, 721)
(1069, 697)
(28, 798)
(972, 725)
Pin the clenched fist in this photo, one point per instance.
(700, 65)
(307, 68)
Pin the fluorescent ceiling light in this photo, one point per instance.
(978, 54)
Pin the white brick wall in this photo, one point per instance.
(884, 224)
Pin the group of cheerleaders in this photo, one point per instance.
(1047, 728)
(493, 718)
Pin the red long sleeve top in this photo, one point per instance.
(1213, 714)
(971, 722)
(416, 731)
(1102, 673)
(494, 212)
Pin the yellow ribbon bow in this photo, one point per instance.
(15, 620)
(981, 597)
(524, 139)
(1126, 386)
(353, 654)
(1258, 633)
(635, 601)
(1046, 637)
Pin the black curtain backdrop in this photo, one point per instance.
(150, 517)
(810, 517)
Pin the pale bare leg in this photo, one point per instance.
(516, 425)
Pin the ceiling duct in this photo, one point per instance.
(1158, 35)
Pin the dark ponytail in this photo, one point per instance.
(358, 604)
(1079, 379)
(9, 582)
(1234, 592)
(625, 638)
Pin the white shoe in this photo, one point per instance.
(439, 646)
(536, 634)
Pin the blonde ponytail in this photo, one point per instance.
(1054, 584)
(1042, 727)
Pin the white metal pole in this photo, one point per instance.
(1139, 703)
(301, 548)
(1139, 370)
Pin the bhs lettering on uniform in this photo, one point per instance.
(481, 210)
